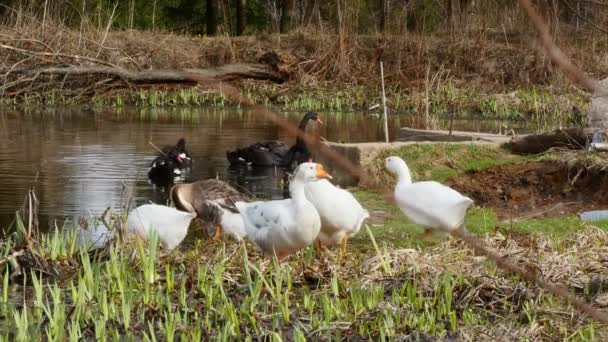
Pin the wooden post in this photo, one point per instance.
(384, 103)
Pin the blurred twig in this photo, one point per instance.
(355, 170)
(556, 54)
(557, 290)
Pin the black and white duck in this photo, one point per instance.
(164, 169)
(170, 165)
(183, 158)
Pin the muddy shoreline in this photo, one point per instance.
(540, 188)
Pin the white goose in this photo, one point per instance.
(341, 214)
(429, 203)
(285, 226)
(170, 224)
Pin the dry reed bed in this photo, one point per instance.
(309, 58)
(579, 262)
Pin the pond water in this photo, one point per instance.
(82, 160)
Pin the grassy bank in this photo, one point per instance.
(444, 162)
(543, 108)
(441, 161)
(223, 291)
(391, 284)
(542, 104)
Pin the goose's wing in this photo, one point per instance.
(179, 200)
(267, 223)
(278, 148)
(433, 204)
(216, 189)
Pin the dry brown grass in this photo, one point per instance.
(579, 262)
(310, 58)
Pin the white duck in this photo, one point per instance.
(170, 224)
(341, 214)
(429, 203)
(285, 226)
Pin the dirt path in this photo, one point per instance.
(542, 189)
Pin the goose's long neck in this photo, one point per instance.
(302, 128)
(403, 175)
(296, 189)
(303, 123)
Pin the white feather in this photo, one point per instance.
(170, 224)
(428, 203)
(232, 223)
(284, 226)
(341, 214)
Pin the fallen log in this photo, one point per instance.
(225, 73)
(93, 80)
(570, 138)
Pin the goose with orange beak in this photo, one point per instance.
(283, 227)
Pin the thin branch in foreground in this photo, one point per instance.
(557, 290)
(355, 170)
(557, 55)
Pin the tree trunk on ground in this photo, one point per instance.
(286, 15)
(84, 79)
(241, 5)
(211, 17)
(598, 113)
(571, 138)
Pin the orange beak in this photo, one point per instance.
(321, 173)
(319, 121)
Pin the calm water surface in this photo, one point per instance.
(82, 161)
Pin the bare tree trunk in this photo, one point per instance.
(226, 19)
(153, 14)
(211, 17)
(286, 15)
(383, 15)
(241, 16)
(453, 13)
